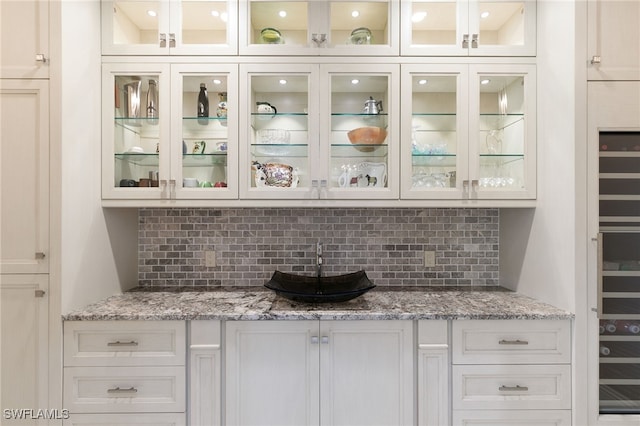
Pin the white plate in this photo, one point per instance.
(372, 175)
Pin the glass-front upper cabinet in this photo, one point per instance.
(279, 131)
(337, 27)
(319, 131)
(169, 132)
(469, 27)
(472, 132)
(502, 131)
(163, 27)
(436, 154)
(359, 131)
(204, 164)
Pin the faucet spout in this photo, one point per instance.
(319, 259)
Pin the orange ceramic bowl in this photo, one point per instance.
(367, 135)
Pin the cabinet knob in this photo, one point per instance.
(595, 60)
(40, 255)
(41, 58)
(40, 293)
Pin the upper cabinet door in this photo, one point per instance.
(164, 27)
(24, 51)
(469, 28)
(502, 132)
(613, 40)
(338, 27)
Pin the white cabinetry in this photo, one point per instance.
(25, 39)
(334, 27)
(522, 366)
(124, 367)
(434, 369)
(169, 153)
(310, 373)
(205, 372)
(473, 133)
(305, 134)
(613, 40)
(469, 27)
(24, 229)
(169, 27)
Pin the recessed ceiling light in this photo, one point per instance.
(216, 81)
(152, 13)
(418, 16)
(355, 81)
(485, 81)
(282, 13)
(484, 15)
(215, 13)
(283, 81)
(423, 81)
(355, 14)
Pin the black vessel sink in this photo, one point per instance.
(302, 288)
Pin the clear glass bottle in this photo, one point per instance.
(152, 102)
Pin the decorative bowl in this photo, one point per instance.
(370, 135)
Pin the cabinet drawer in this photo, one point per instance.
(512, 418)
(511, 387)
(511, 342)
(123, 343)
(124, 389)
(149, 419)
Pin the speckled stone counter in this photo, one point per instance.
(259, 304)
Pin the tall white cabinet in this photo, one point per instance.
(24, 237)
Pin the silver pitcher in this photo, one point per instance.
(372, 106)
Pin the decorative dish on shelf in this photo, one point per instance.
(275, 175)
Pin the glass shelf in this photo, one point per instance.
(499, 121)
(139, 159)
(148, 126)
(279, 150)
(284, 120)
(433, 160)
(359, 150)
(200, 160)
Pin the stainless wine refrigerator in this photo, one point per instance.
(619, 271)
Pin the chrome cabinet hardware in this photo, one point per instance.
(474, 41)
(121, 390)
(163, 40)
(319, 39)
(324, 340)
(41, 58)
(40, 255)
(40, 293)
(596, 59)
(516, 388)
(119, 343)
(172, 39)
(513, 342)
(465, 41)
(314, 340)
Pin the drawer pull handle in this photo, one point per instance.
(120, 390)
(119, 343)
(516, 388)
(513, 342)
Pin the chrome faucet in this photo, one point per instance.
(319, 259)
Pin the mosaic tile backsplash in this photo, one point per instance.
(251, 243)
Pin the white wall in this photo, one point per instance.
(537, 246)
(93, 240)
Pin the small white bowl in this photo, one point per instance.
(136, 150)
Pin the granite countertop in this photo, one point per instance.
(261, 304)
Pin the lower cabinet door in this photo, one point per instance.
(511, 417)
(125, 389)
(366, 373)
(272, 373)
(149, 419)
